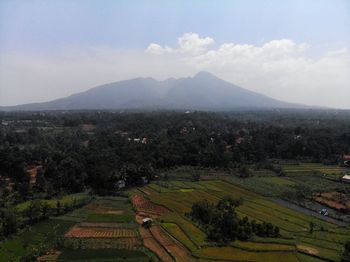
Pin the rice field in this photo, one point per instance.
(106, 229)
(295, 244)
(312, 167)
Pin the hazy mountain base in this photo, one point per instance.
(201, 92)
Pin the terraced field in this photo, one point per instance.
(295, 244)
(312, 167)
(107, 224)
(87, 235)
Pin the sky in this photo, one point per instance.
(292, 50)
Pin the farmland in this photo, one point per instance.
(106, 224)
(296, 243)
(300, 168)
(108, 228)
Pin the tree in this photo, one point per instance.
(33, 212)
(9, 222)
(244, 172)
(44, 210)
(196, 176)
(346, 252)
(58, 207)
(311, 227)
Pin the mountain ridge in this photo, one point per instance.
(204, 91)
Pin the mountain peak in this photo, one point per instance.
(204, 74)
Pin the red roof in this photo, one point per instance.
(346, 157)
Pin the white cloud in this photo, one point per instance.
(158, 49)
(193, 44)
(189, 43)
(279, 68)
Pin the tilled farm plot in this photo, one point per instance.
(174, 248)
(128, 243)
(99, 232)
(154, 246)
(145, 206)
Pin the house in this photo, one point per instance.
(87, 127)
(239, 140)
(228, 147)
(184, 131)
(120, 184)
(324, 212)
(346, 179)
(346, 160)
(33, 172)
(144, 180)
(147, 221)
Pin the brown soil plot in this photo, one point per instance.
(154, 246)
(98, 232)
(177, 250)
(146, 206)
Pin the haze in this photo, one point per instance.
(295, 51)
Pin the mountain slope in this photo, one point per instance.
(203, 91)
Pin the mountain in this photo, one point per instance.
(204, 91)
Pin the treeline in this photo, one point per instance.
(95, 150)
(11, 219)
(222, 224)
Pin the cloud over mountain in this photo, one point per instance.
(280, 68)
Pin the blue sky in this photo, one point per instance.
(106, 41)
(47, 25)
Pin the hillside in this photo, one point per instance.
(204, 91)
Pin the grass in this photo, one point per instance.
(36, 239)
(178, 233)
(102, 255)
(72, 199)
(237, 254)
(197, 236)
(123, 218)
(322, 243)
(312, 167)
(306, 258)
(256, 246)
(279, 181)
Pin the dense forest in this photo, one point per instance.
(80, 150)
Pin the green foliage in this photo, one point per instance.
(123, 218)
(34, 241)
(346, 252)
(104, 255)
(223, 225)
(8, 222)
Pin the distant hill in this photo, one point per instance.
(204, 91)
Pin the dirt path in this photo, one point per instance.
(153, 245)
(307, 249)
(179, 252)
(309, 212)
